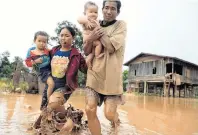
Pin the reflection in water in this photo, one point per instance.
(149, 115)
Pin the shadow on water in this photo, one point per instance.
(141, 115)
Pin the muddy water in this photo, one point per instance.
(140, 115)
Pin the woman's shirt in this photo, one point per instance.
(59, 64)
(76, 62)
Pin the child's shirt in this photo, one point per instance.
(40, 67)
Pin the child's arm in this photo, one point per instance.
(85, 21)
(82, 20)
(29, 61)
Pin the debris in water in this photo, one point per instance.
(27, 106)
(58, 119)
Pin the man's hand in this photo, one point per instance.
(95, 34)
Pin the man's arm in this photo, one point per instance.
(116, 40)
(88, 43)
(87, 46)
(106, 42)
(83, 66)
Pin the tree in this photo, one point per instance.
(5, 66)
(124, 78)
(17, 64)
(17, 69)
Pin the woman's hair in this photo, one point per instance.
(89, 3)
(40, 33)
(70, 29)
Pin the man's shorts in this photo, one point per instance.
(102, 98)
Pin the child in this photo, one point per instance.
(38, 58)
(89, 22)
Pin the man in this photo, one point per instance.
(104, 80)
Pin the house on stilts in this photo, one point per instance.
(163, 75)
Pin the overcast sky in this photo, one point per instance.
(165, 27)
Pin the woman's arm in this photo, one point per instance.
(83, 66)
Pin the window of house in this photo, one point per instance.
(154, 70)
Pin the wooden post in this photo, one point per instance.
(185, 90)
(166, 89)
(145, 87)
(161, 90)
(187, 93)
(174, 88)
(193, 92)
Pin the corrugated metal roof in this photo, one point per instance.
(163, 56)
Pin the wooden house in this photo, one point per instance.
(163, 75)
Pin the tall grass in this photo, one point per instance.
(8, 86)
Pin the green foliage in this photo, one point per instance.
(5, 66)
(7, 69)
(124, 78)
(78, 41)
(6, 85)
(23, 86)
(81, 79)
(17, 64)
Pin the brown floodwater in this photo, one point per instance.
(141, 115)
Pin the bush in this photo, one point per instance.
(23, 86)
(6, 85)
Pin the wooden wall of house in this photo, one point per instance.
(144, 66)
(190, 73)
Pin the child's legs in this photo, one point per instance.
(50, 83)
(44, 98)
(85, 35)
(98, 47)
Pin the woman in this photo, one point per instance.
(65, 63)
